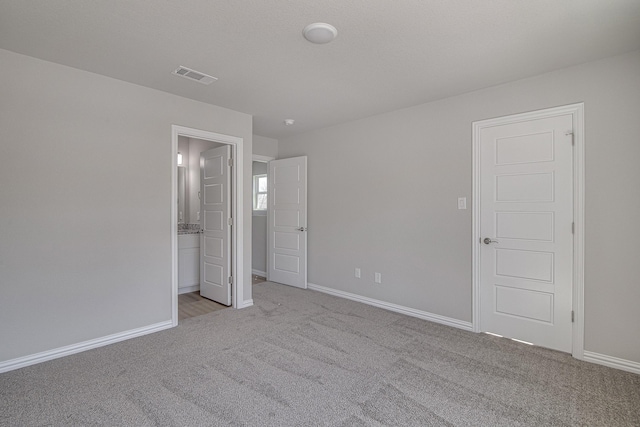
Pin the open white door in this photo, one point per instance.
(215, 209)
(287, 223)
(526, 240)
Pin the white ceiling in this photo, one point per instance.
(389, 54)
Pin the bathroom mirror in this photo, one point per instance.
(182, 194)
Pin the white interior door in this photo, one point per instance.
(215, 209)
(526, 229)
(287, 222)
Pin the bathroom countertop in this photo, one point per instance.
(188, 229)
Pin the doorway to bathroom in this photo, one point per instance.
(206, 223)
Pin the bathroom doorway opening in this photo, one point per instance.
(186, 219)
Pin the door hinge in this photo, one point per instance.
(230, 162)
(570, 132)
(230, 221)
(572, 316)
(573, 228)
(231, 280)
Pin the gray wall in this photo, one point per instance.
(383, 190)
(259, 229)
(85, 230)
(265, 146)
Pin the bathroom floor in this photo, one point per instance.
(192, 304)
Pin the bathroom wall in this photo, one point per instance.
(196, 146)
(183, 149)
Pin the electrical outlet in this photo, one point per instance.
(358, 275)
(378, 278)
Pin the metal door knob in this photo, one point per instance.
(301, 229)
(488, 240)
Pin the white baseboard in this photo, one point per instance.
(188, 289)
(612, 362)
(259, 273)
(460, 324)
(245, 303)
(44, 356)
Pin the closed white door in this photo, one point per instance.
(526, 229)
(287, 227)
(215, 209)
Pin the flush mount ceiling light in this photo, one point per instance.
(289, 122)
(320, 33)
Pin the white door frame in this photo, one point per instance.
(262, 159)
(237, 232)
(577, 111)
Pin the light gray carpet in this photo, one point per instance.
(308, 359)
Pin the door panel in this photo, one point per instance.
(528, 265)
(526, 210)
(524, 303)
(287, 213)
(215, 207)
(525, 225)
(531, 187)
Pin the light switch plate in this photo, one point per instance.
(462, 203)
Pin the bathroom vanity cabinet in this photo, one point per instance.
(188, 263)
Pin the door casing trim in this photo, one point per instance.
(577, 111)
(237, 207)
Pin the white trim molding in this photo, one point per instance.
(577, 112)
(245, 303)
(261, 158)
(259, 273)
(44, 356)
(612, 362)
(460, 324)
(188, 289)
(237, 186)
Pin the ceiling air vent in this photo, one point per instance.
(197, 76)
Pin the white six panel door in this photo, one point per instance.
(215, 212)
(286, 230)
(526, 210)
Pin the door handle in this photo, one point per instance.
(302, 229)
(488, 240)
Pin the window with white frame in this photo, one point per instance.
(260, 192)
